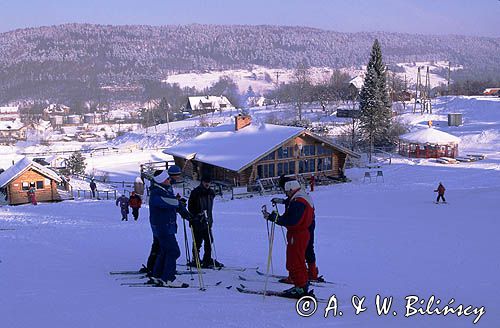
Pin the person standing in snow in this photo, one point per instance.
(93, 187)
(123, 202)
(200, 205)
(440, 190)
(163, 209)
(312, 269)
(297, 219)
(135, 203)
(32, 195)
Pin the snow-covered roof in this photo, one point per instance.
(9, 109)
(11, 125)
(234, 150)
(22, 166)
(430, 136)
(357, 81)
(209, 102)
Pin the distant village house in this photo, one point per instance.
(206, 104)
(17, 180)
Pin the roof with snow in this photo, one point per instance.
(208, 102)
(236, 150)
(11, 125)
(22, 166)
(9, 109)
(357, 81)
(430, 136)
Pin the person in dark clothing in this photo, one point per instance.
(297, 219)
(163, 209)
(93, 187)
(135, 203)
(200, 205)
(123, 202)
(440, 190)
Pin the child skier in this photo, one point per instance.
(440, 190)
(123, 202)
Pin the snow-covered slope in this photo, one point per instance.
(386, 238)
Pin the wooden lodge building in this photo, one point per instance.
(240, 154)
(17, 180)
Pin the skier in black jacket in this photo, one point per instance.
(200, 205)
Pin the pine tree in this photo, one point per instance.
(75, 164)
(375, 103)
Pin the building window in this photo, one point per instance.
(286, 168)
(25, 186)
(269, 157)
(321, 150)
(306, 166)
(308, 150)
(324, 164)
(39, 185)
(265, 171)
(285, 152)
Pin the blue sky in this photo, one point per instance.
(468, 17)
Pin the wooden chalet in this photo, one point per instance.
(240, 154)
(17, 179)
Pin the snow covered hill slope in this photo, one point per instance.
(386, 238)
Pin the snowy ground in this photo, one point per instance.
(385, 238)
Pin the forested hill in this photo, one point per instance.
(97, 54)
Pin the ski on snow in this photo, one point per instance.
(320, 280)
(144, 284)
(275, 293)
(242, 278)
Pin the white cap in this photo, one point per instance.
(292, 185)
(161, 177)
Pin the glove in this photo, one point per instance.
(183, 201)
(278, 200)
(265, 215)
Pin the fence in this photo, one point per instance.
(99, 194)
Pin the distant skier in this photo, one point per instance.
(135, 203)
(93, 187)
(312, 182)
(440, 190)
(200, 205)
(123, 202)
(297, 218)
(32, 195)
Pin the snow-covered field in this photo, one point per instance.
(386, 238)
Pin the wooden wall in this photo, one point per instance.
(16, 194)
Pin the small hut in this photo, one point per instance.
(428, 143)
(17, 180)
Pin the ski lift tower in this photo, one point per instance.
(422, 93)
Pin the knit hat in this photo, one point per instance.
(160, 178)
(292, 185)
(174, 170)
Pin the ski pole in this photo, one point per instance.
(197, 259)
(212, 244)
(186, 247)
(282, 230)
(270, 252)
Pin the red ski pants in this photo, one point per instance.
(296, 256)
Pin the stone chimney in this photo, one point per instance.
(242, 121)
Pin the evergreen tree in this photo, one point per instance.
(375, 103)
(75, 164)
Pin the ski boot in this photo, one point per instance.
(296, 292)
